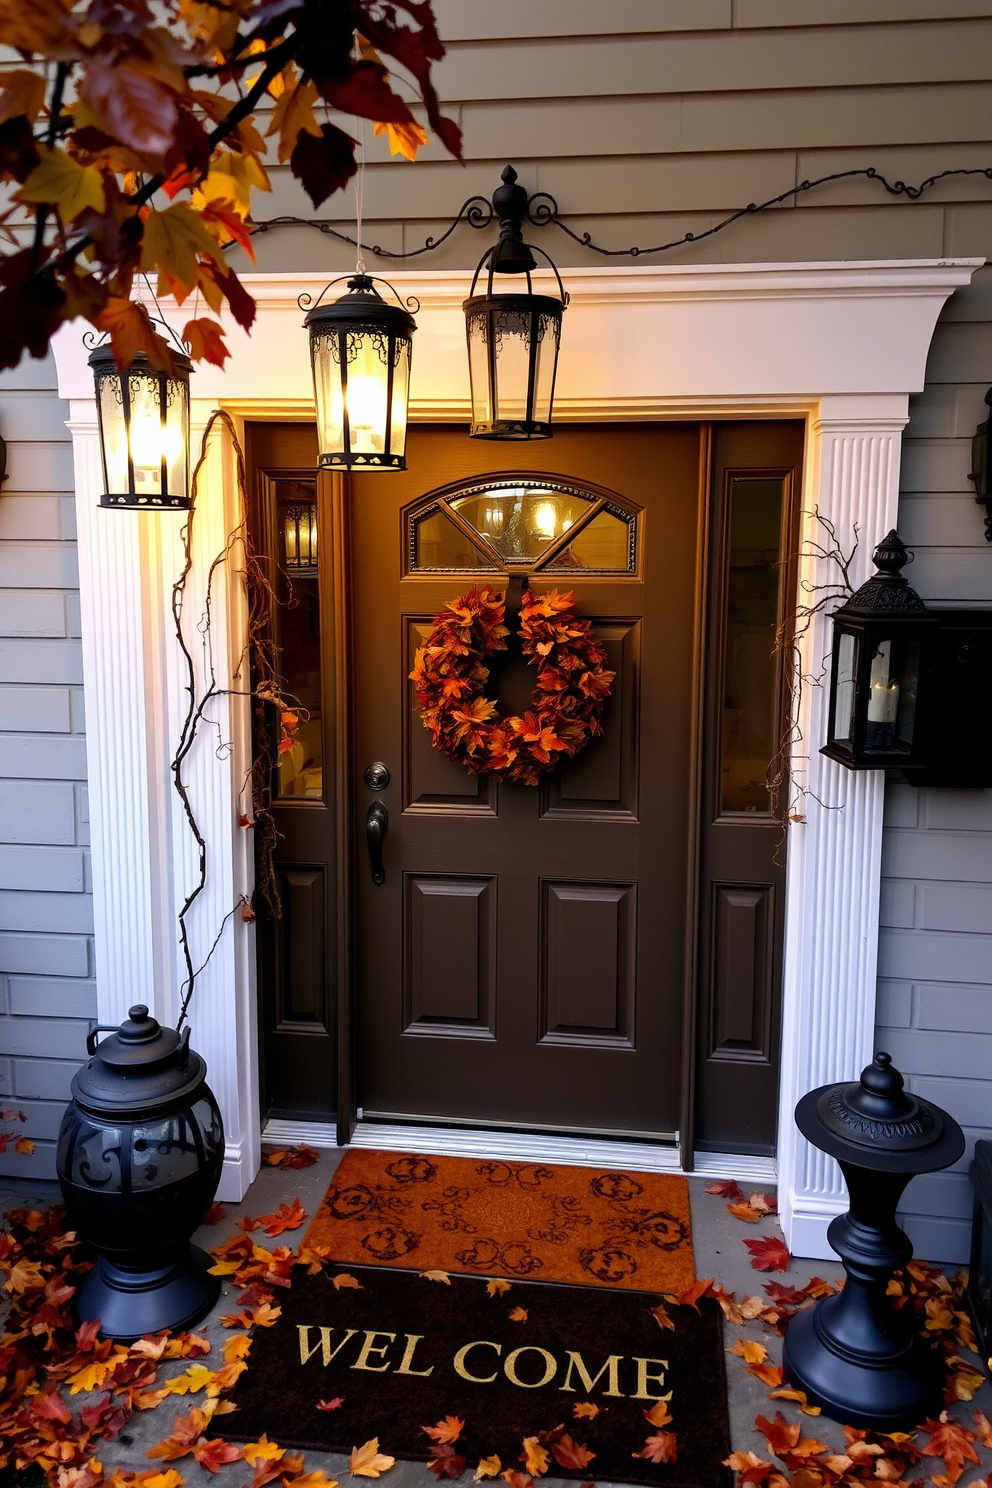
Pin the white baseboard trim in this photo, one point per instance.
(236, 1175)
(807, 1229)
(515, 1146)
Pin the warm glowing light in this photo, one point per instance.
(545, 520)
(365, 401)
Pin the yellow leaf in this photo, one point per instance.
(24, 1276)
(25, 1146)
(344, 1280)
(658, 1415)
(63, 182)
(751, 1353)
(23, 93)
(368, 1461)
(224, 1268)
(311, 1480)
(489, 1467)
(661, 1317)
(172, 241)
(91, 1376)
(261, 1451)
(534, 1457)
(168, 1479)
(196, 1378)
(404, 139)
(518, 1315)
(292, 116)
(586, 1408)
(232, 178)
(494, 1288)
(436, 1276)
(236, 1347)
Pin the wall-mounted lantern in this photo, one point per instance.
(144, 431)
(360, 347)
(981, 467)
(879, 659)
(513, 339)
(299, 533)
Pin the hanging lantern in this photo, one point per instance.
(299, 532)
(513, 338)
(360, 349)
(882, 640)
(144, 431)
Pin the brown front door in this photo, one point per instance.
(523, 962)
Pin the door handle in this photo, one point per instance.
(376, 822)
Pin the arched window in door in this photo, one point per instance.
(523, 524)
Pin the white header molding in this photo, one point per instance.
(843, 344)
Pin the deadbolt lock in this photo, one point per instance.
(376, 777)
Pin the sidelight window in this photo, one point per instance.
(296, 634)
(520, 523)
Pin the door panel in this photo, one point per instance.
(510, 920)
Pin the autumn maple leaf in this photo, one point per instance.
(343, 1279)
(436, 1276)
(692, 1294)
(586, 1408)
(445, 1462)
(330, 1405)
(658, 1415)
(952, 1441)
(448, 1430)
(662, 1447)
(749, 1467)
(661, 1316)
(497, 1286)
(780, 1435)
(769, 1254)
(404, 139)
(286, 1217)
(489, 1467)
(571, 1454)
(216, 1453)
(534, 1457)
(368, 1462)
(727, 1189)
(517, 1315)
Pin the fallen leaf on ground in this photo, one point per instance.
(768, 1254)
(344, 1280)
(571, 1454)
(489, 1467)
(495, 1288)
(750, 1466)
(658, 1415)
(518, 1479)
(290, 1157)
(765, 1202)
(692, 1294)
(448, 1430)
(746, 1212)
(329, 1405)
(286, 1217)
(368, 1462)
(518, 1315)
(534, 1457)
(445, 1462)
(587, 1409)
(727, 1189)
(749, 1351)
(237, 1347)
(216, 1453)
(260, 1451)
(660, 1448)
(661, 1316)
(780, 1434)
(799, 1396)
(214, 1215)
(769, 1374)
(312, 1480)
(436, 1276)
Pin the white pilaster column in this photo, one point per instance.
(831, 937)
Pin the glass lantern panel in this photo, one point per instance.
(207, 1118)
(114, 434)
(176, 435)
(148, 435)
(892, 685)
(604, 545)
(844, 684)
(512, 332)
(439, 544)
(521, 521)
(163, 1152)
(478, 368)
(544, 375)
(401, 388)
(365, 394)
(296, 634)
(906, 716)
(327, 392)
(96, 1157)
(750, 667)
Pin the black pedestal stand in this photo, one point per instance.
(855, 1355)
(131, 1303)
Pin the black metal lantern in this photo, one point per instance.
(855, 1355)
(981, 467)
(360, 348)
(144, 431)
(880, 655)
(513, 339)
(299, 536)
(139, 1159)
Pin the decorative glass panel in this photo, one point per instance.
(847, 671)
(521, 521)
(750, 663)
(296, 632)
(893, 681)
(605, 545)
(438, 543)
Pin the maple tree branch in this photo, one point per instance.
(41, 214)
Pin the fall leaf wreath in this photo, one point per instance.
(571, 690)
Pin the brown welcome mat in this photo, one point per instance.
(402, 1352)
(592, 1226)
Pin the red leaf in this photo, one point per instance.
(48, 1405)
(286, 1217)
(727, 1189)
(569, 1453)
(692, 1294)
(205, 339)
(134, 107)
(366, 92)
(769, 1254)
(779, 1434)
(288, 1157)
(662, 1447)
(329, 1405)
(213, 1454)
(445, 1462)
(214, 1214)
(323, 165)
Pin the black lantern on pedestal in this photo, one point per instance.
(360, 347)
(881, 638)
(855, 1355)
(144, 431)
(513, 339)
(139, 1159)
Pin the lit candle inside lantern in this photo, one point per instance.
(883, 695)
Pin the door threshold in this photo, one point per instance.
(515, 1146)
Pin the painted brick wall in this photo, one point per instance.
(47, 992)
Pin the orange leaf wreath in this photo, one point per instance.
(571, 690)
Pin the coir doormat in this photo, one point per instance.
(591, 1226)
(588, 1375)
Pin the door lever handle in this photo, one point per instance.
(376, 822)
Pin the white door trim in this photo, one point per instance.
(842, 343)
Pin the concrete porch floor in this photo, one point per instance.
(719, 1252)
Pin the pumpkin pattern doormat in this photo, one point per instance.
(591, 1226)
(575, 1382)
